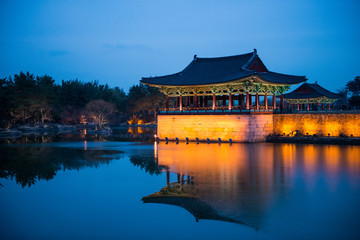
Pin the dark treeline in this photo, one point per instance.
(26, 98)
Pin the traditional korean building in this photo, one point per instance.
(311, 96)
(221, 99)
(224, 83)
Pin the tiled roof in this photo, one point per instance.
(203, 71)
(311, 90)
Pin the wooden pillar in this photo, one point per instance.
(195, 101)
(308, 106)
(181, 105)
(298, 107)
(247, 100)
(282, 102)
(328, 106)
(332, 106)
(274, 101)
(230, 101)
(214, 101)
(178, 177)
(167, 103)
(257, 101)
(265, 101)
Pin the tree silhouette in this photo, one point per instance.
(98, 111)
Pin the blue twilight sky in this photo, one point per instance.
(118, 42)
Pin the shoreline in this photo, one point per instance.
(314, 140)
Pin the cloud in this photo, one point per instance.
(58, 53)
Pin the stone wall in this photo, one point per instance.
(239, 128)
(319, 124)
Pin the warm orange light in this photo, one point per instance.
(332, 127)
(288, 127)
(311, 126)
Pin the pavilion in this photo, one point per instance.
(225, 84)
(311, 96)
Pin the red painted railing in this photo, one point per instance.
(224, 109)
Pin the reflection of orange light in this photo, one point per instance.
(85, 145)
(221, 164)
(85, 132)
(332, 162)
(155, 149)
(225, 173)
(288, 153)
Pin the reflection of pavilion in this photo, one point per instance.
(182, 193)
(228, 182)
(246, 183)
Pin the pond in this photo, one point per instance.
(94, 189)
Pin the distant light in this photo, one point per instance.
(155, 136)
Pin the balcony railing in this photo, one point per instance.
(224, 109)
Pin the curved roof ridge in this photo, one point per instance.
(163, 76)
(225, 57)
(283, 74)
(204, 71)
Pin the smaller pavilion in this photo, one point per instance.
(311, 96)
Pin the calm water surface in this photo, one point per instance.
(122, 190)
